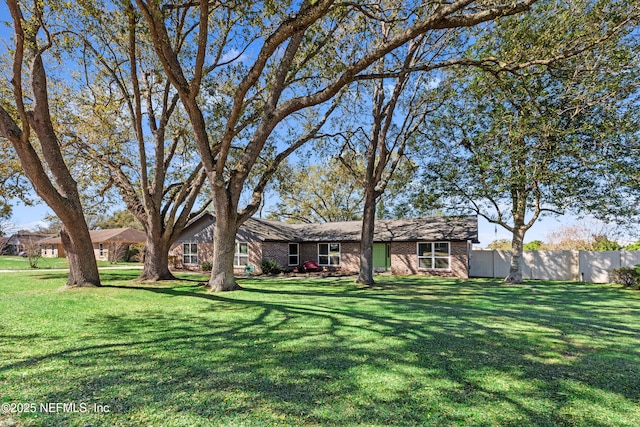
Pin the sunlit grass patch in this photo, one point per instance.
(8, 262)
(409, 351)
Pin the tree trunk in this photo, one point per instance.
(224, 246)
(79, 249)
(156, 260)
(517, 261)
(366, 240)
(55, 185)
(63, 200)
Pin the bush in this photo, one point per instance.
(270, 266)
(633, 247)
(136, 252)
(625, 276)
(206, 266)
(117, 252)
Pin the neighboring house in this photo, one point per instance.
(3, 245)
(436, 246)
(20, 242)
(110, 244)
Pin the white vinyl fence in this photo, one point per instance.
(586, 266)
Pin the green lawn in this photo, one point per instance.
(22, 263)
(411, 351)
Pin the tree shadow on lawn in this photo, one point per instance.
(107, 277)
(571, 292)
(337, 358)
(583, 309)
(570, 303)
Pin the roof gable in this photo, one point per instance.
(200, 229)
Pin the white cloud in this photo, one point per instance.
(233, 55)
(433, 82)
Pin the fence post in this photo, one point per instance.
(493, 263)
(575, 266)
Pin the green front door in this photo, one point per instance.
(381, 256)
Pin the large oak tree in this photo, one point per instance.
(133, 127)
(292, 58)
(525, 137)
(26, 121)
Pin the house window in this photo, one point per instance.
(434, 255)
(101, 249)
(190, 253)
(241, 257)
(294, 254)
(329, 254)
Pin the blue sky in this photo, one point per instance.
(29, 217)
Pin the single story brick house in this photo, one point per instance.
(436, 246)
(112, 241)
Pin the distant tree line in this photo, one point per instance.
(577, 237)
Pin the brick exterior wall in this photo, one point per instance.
(277, 251)
(308, 252)
(404, 260)
(256, 254)
(175, 255)
(350, 257)
(205, 254)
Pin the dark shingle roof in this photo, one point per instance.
(398, 230)
(388, 230)
(115, 235)
(26, 237)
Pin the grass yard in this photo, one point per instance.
(411, 351)
(22, 263)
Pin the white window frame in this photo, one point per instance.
(192, 255)
(296, 255)
(432, 256)
(330, 254)
(238, 255)
(101, 250)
